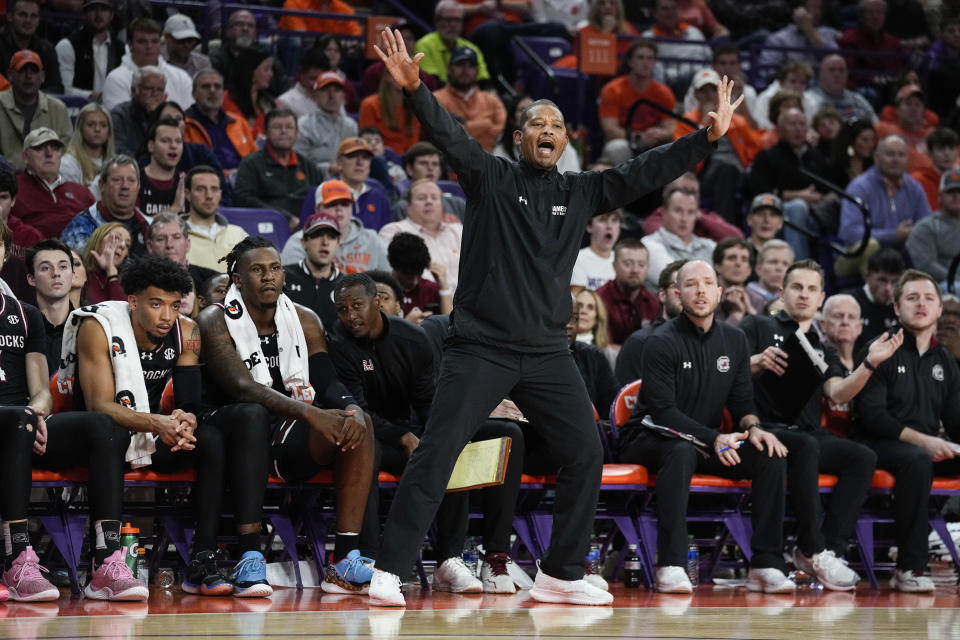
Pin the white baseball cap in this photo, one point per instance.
(180, 27)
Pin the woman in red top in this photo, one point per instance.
(385, 111)
(104, 253)
(247, 83)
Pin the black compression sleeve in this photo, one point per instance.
(331, 393)
(188, 388)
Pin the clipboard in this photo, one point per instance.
(481, 464)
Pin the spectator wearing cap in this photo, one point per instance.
(943, 149)
(143, 49)
(311, 282)
(676, 239)
(88, 54)
(231, 138)
(45, 201)
(360, 248)
(437, 46)
(180, 40)
(131, 119)
(25, 107)
(482, 113)
(276, 177)
(301, 97)
(352, 166)
(211, 236)
(373, 73)
(322, 130)
(321, 25)
(722, 173)
(594, 265)
(709, 225)
(20, 32)
(777, 170)
(425, 218)
(935, 241)
(765, 219)
(911, 125)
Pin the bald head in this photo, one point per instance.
(699, 291)
(891, 157)
(841, 320)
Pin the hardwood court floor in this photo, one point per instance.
(712, 613)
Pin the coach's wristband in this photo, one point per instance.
(446, 292)
(869, 366)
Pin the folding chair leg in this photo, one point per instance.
(525, 536)
(741, 530)
(940, 526)
(316, 530)
(60, 529)
(864, 532)
(178, 536)
(284, 528)
(647, 528)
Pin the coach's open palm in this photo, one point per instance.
(724, 113)
(393, 52)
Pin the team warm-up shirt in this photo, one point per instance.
(21, 332)
(691, 375)
(910, 390)
(522, 229)
(390, 377)
(766, 331)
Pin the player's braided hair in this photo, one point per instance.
(247, 244)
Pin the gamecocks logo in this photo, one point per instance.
(125, 398)
(233, 309)
(117, 347)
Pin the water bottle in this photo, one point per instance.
(165, 578)
(693, 562)
(471, 556)
(130, 538)
(632, 568)
(592, 561)
(143, 569)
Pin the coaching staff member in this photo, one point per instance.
(521, 235)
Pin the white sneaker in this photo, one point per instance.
(769, 580)
(385, 590)
(495, 575)
(454, 576)
(673, 580)
(908, 582)
(548, 589)
(831, 571)
(596, 580)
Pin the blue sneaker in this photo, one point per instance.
(351, 575)
(249, 577)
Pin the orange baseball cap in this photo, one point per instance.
(332, 191)
(25, 57)
(327, 77)
(350, 145)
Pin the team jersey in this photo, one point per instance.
(21, 332)
(269, 345)
(158, 364)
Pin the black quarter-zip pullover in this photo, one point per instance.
(522, 229)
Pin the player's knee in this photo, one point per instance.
(252, 418)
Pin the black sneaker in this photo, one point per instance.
(204, 578)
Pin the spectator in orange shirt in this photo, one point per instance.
(911, 125)
(320, 25)
(722, 173)
(943, 152)
(482, 113)
(649, 127)
(385, 111)
(606, 16)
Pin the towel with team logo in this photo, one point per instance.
(292, 344)
(129, 387)
(6, 290)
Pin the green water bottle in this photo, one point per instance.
(130, 538)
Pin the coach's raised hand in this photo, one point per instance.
(405, 71)
(724, 113)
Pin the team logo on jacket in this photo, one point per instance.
(13, 319)
(233, 309)
(723, 364)
(117, 347)
(938, 373)
(125, 398)
(368, 365)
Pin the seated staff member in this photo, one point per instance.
(792, 412)
(260, 347)
(899, 414)
(693, 367)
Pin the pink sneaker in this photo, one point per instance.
(4, 594)
(113, 580)
(25, 582)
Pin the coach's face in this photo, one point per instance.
(699, 289)
(543, 136)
